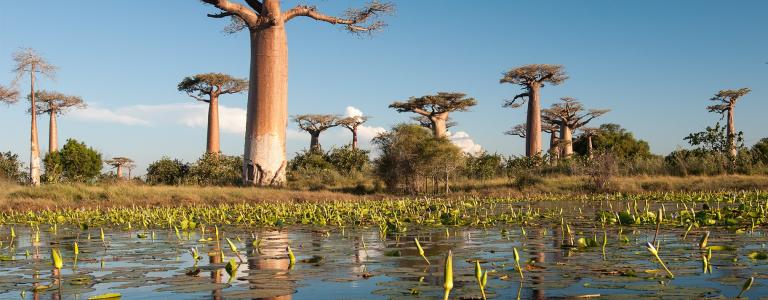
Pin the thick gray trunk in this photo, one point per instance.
(533, 129)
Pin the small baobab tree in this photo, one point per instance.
(588, 133)
(518, 130)
(119, 163)
(532, 78)
(207, 88)
(436, 109)
(353, 123)
(8, 95)
(315, 125)
(29, 62)
(570, 115)
(726, 102)
(54, 104)
(264, 159)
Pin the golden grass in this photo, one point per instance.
(126, 194)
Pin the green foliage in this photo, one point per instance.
(410, 154)
(217, 169)
(347, 160)
(11, 168)
(484, 166)
(167, 171)
(76, 162)
(714, 139)
(312, 159)
(616, 140)
(760, 151)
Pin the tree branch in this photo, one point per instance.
(250, 17)
(354, 17)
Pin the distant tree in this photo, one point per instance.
(119, 163)
(760, 150)
(532, 78)
(54, 104)
(726, 102)
(569, 115)
(167, 171)
(207, 88)
(29, 62)
(484, 166)
(79, 162)
(552, 129)
(427, 123)
(11, 168)
(8, 95)
(715, 139)
(54, 169)
(436, 108)
(315, 125)
(518, 130)
(267, 114)
(616, 140)
(352, 123)
(588, 133)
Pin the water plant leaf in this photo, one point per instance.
(110, 296)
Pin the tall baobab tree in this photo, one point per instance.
(532, 78)
(53, 104)
(315, 125)
(8, 95)
(588, 133)
(726, 102)
(119, 163)
(570, 115)
(29, 62)
(436, 108)
(264, 159)
(353, 123)
(207, 88)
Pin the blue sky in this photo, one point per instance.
(654, 63)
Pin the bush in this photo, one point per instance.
(167, 171)
(346, 160)
(217, 169)
(11, 168)
(484, 166)
(75, 162)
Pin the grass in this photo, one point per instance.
(16, 197)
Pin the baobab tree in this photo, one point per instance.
(726, 102)
(532, 78)
(552, 129)
(353, 123)
(29, 62)
(54, 104)
(588, 133)
(8, 95)
(207, 88)
(119, 163)
(569, 116)
(315, 125)
(264, 159)
(436, 108)
(427, 123)
(518, 130)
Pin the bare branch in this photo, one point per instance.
(316, 124)
(355, 20)
(28, 60)
(55, 103)
(238, 13)
(8, 95)
(518, 130)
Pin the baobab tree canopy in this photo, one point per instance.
(118, 161)
(316, 124)
(529, 75)
(55, 102)
(436, 108)
(726, 99)
(204, 86)
(518, 130)
(8, 95)
(571, 113)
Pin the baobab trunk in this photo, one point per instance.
(566, 139)
(34, 157)
(553, 145)
(213, 145)
(731, 134)
(267, 116)
(439, 126)
(314, 143)
(354, 138)
(53, 133)
(533, 130)
(119, 171)
(589, 147)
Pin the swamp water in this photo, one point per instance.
(362, 262)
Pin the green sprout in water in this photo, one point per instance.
(482, 277)
(703, 241)
(421, 250)
(517, 262)
(231, 268)
(291, 257)
(448, 278)
(747, 285)
(655, 253)
(234, 249)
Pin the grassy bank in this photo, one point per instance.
(18, 197)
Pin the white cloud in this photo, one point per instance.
(352, 111)
(465, 142)
(364, 133)
(97, 114)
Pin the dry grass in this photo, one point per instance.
(18, 197)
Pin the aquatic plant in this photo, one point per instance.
(655, 253)
(448, 275)
(517, 262)
(746, 286)
(421, 250)
(481, 277)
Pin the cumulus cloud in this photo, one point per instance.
(352, 111)
(97, 114)
(465, 142)
(364, 133)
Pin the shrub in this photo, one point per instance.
(484, 166)
(75, 162)
(167, 171)
(11, 168)
(347, 160)
(217, 169)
